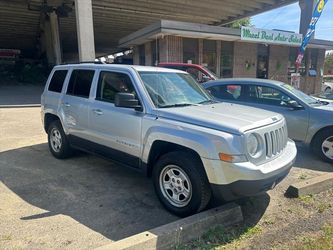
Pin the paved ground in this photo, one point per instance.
(86, 202)
(79, 203)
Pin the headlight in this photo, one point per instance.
(253, 146)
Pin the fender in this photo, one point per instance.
(201, 142)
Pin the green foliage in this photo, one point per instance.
(239, 23)
(329, 63)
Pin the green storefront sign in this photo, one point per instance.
(270, 36)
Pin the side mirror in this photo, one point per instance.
(294, 105)
(205, 79)
(127, 100)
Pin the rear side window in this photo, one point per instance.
(80, 83)
(57, 80)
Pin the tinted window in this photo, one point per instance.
(111, 83)
(268, 96)
(57, 80)
(80, 83)
(226, 92)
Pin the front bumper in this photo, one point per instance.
(230, 181)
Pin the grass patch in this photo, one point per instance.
(307, 199)
(303, 176)
(219, 237)
(5, 237)
(323, 207)
(322, 242)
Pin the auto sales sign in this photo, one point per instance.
(270, 36)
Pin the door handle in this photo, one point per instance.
(98, 111)
(66, 104)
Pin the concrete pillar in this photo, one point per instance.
(200, 51)
(54, 25)
(85, 30)
(136, 56)
(218, 58)
(148, 61)
(50, 44)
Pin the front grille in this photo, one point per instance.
(276, 141)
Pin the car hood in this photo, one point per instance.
(228, 117)
(323, 108)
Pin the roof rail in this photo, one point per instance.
(93, 62)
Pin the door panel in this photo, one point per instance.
(115, 127)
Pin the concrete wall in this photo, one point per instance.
(278, 63)
(245, 54)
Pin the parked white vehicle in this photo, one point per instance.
(327, 83)
(160, 121)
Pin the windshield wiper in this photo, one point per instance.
(176, 105)
(207, 101)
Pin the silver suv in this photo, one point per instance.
(163, 123)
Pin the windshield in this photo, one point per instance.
(211, 73)
(173, 89)
(301, 95)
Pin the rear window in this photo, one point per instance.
(57, 80)
(80, 83)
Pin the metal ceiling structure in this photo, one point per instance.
(114, 19)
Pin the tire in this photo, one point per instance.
(184, 172)
(322, 145)
(328, 89)
(58, 141)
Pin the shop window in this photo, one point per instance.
(191, 50)
(227, 55)
(209, 54)
(154, 52)
(142, 57)
(262, 61)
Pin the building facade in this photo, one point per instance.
(223, 52)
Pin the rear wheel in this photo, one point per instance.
(58, 142)
(181, 183)
(323, 145)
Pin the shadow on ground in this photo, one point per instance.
(307, 160)
(112, 200)
(20, 95)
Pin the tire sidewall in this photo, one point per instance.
(63, 152)
(191, 169)
(318, 142)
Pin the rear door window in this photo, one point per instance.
(80, 83)
(226, 92)
(57, 80)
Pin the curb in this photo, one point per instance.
(312, 186)
(21, 106)
(181, 231)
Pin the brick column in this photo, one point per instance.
(245, 59)
(278, 63)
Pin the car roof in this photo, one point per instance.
(138, 68)
(179, 64)
(243, 81)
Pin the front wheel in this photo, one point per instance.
(323, 145)
(181, 183)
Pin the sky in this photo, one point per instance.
(288, 17)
